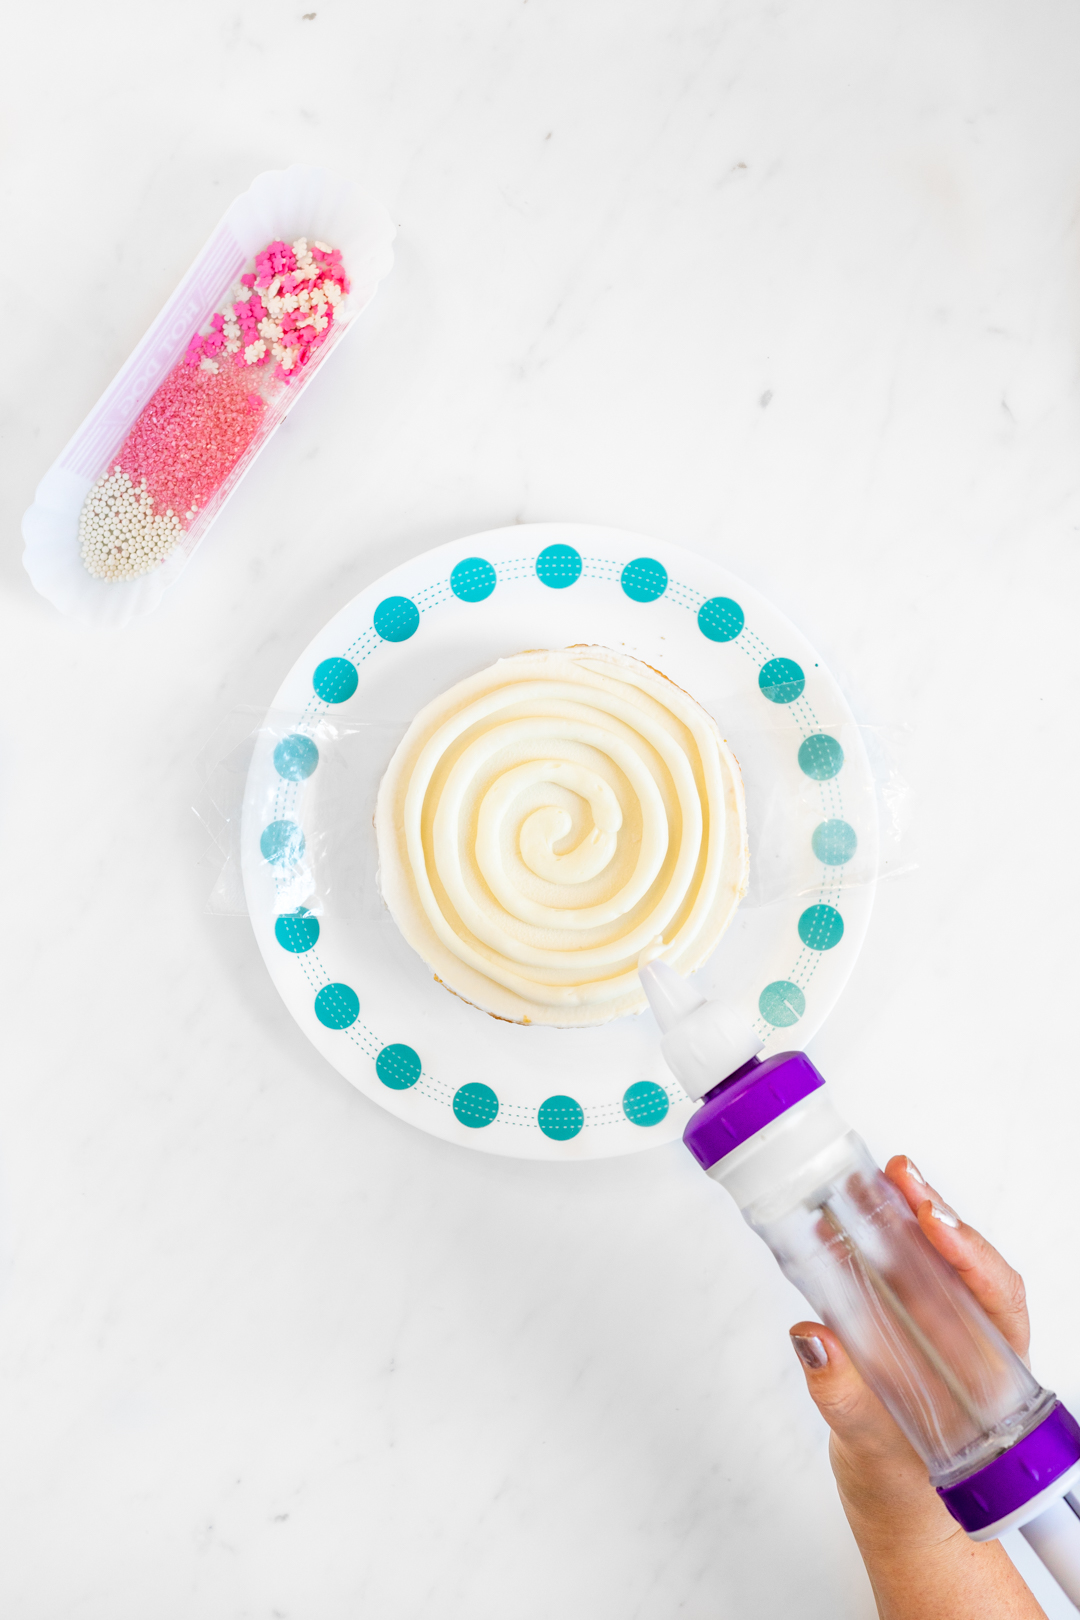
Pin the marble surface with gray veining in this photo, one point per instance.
(797, 286)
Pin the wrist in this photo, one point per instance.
(899, 1532)
(920, 1577)
(889, 1503)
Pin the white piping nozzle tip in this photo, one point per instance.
(704, 1042)
(670, 996)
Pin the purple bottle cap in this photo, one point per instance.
(1005, 1485)
(747, 1101)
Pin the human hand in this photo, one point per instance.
(912, 1547)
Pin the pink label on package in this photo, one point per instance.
(103, 431)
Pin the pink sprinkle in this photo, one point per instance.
(190, 436)
(199, 423)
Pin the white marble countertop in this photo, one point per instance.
(792, 285)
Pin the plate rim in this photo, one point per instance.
(859, 903)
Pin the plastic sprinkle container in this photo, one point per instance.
(280, 282)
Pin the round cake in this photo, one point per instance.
(545, 821)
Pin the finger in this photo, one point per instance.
(848, 1405)
(911, 1181)
(997, 1287)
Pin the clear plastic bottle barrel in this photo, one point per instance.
(854, 1250)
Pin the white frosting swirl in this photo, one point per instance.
(544, 821)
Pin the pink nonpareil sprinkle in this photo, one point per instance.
(190, 436)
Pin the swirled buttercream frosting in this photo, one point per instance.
(545, 821)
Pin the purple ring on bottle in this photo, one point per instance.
(1028, 1468)
(746, 1102)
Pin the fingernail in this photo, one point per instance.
(944, 1215)
(810, 1351)
(915, 1173)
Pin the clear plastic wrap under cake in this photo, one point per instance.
(338, 860)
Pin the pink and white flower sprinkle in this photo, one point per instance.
(206, 415)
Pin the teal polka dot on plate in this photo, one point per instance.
(821, 927)
(720, 618)
(645, 1103)
(282, 843)
(560, 1118)
(475, 1105)
(781, 680)
(558, 566)
(398, 1067)
(820, 757)
(297, 931)
(335, 680)
(472, 579)
(397, 618)
(834, 843)
(295, 757)
(781, 1004)
(337, 1006)
(644, 579)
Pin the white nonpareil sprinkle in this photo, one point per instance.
(120, 535)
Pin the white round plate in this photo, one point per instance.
(360, 993)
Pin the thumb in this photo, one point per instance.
(881, 1480)
(848, 1405)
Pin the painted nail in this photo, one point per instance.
(810, 1351)
(944, 1215)
(915, 1173)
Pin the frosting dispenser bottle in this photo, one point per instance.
(1001, 1451)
